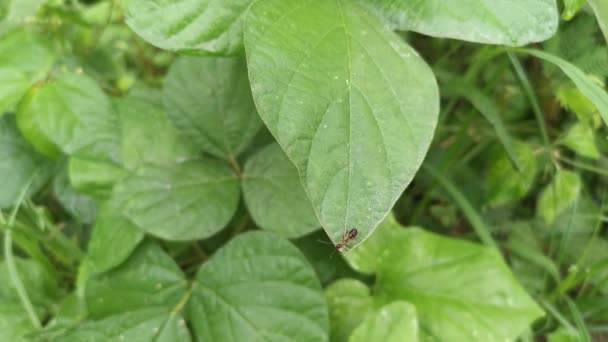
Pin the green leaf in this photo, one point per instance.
(571, 8)
(349, 303)
(505, 184)
(351, 104)
(186, 201)
(150, 324)
(558, 195)
(210, 27)
(581, 139)
(274, 195)
(14, 13)
(585, 84)
(148, 137)
(149, 278)
(601, 13)
(20, 164)
(42, 290)
(94, 177)
(81, 206)
(505, 22)
(563, 335)
(209, 100)
(258, 287)
(113, 239)
(446, 278)
(24, 58)
(395, 322)
(70, 115)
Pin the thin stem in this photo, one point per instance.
(235, 166)
(582, 165)
(16, 280)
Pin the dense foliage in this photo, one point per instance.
(172, 170)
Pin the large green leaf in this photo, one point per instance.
(395, 322)
(446, 278)
(20, 164)
(212, 27)
(150, 324)
(559, 195)
(350, 302)
(71, 115)
(149, 278)
(258, 287)
(189, 200)
(584, 83)
(113, 239)
(209, 100)
(147, 134)
(24, 58)
(505, 22)
(352, 105)
(274, 195)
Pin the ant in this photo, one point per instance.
(347, 237)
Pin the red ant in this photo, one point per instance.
(347, 237)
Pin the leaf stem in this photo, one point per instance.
(235, 165)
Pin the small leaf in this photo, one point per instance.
(504, 22)
(589, 88)
(186, 201)
(446, 278)
(571, 8)
(350, 103)
(70, 115)
(505, 184)
(20, 164)
(149, 324)
(24, 58)
(559, 195)
(395, 322)
(81, 206)
(113, 239)
(148, 136)
(209, 101)
(258, 287)
(274, 195)
(349, 303)
(580, 138)
(149, 278)
(211, 27)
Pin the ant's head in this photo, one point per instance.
(352, 233)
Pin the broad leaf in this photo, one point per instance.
(352, 105)
(274, 195)
(150, 324)
(559, 195)
(211, 27)
(585, 84)
(505, 22)
(209, 100)
(258, 287)
(580, 138)
(24, 58)
(190, 200)
(505, 184)
(70, 115)
(20, 164)
(148, 136)
(149, 278)
(113, 239)
(82, 207)
(349, 303)
(94, 177)
(395, 322)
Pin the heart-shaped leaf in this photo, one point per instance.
(212, 27)
(258, 287)
(209, 101)
(352, 105)
(506, 22)
(185, 201)
(274, 195)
